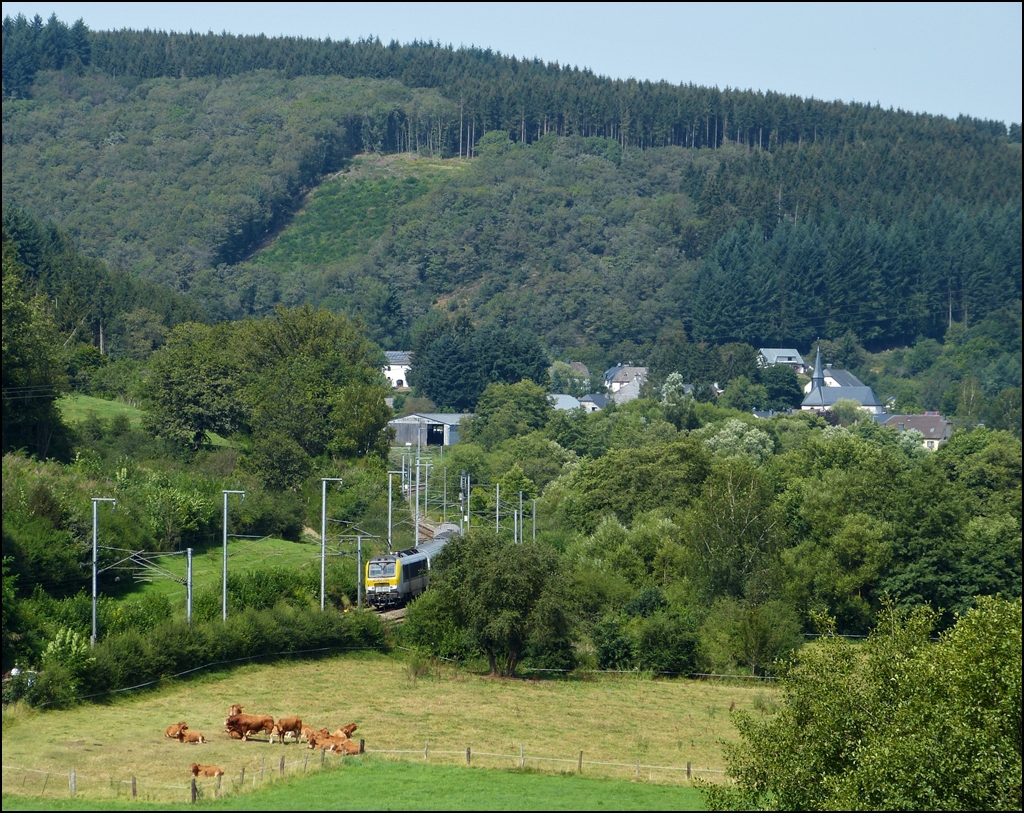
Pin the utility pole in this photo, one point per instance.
(390, 503)
(323, 535)
(95, 555)
(416, 502)
(359, 572)
(224, 576)
(188, 586)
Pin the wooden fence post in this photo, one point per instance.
(71, 781)
(219, 776)
(322, 752)
(282, 764)
(47, 779)
(135, 790)
(426, 749)
(304, 764)
(362, 746)
(522, 756)
(193, 790)
(687, 770)
(638, 769)
(579, 767)
(263, 767)
(241, 779)
(468, 755)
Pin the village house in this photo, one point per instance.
(770, 356)
(397, 368)
(624, 382)
(935, 429)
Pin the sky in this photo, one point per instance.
(940, 58)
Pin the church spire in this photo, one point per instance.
(818, 379)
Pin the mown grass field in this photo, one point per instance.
(246, 555)
(76, 409)
(243, 555)
(371, 783)
(79, 408)
(402, 706)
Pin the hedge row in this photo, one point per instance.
(133, 659)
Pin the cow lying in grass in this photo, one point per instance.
(235, 709)
(329, 742)
(173, 731)
(346, 730)
(190, 736)
(240, 726)
(206, 770)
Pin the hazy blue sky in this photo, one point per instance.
(946, 58)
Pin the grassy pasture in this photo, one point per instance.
(400, 705)
(371, 783)
(79, 408)
(244, 555)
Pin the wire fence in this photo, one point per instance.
(258, 772)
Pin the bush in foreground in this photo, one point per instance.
(899, 722)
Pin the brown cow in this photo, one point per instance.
(194, 737)
(347, 747)
(328, 742)
(235, 709)
(246, 724)
(286, 726)
(173, 731)
(206, 770)
(346, 731)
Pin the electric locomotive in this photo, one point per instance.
(391, 579)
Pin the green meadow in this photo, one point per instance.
(637, 735)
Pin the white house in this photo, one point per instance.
(624, 382)
(770, 356)
(397, 367)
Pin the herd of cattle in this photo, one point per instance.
(239, 726)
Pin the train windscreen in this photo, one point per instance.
(381, 570)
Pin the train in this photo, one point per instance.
(392, 579)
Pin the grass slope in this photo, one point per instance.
(376, 784)
(76, 409)
(400, 705)
(350, 209)
(80, 408)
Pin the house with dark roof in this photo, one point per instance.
(624, 382)
(770, 356)
(398, 363)
(834, 377)
(935, 429)
(594, 402)
(822, 396)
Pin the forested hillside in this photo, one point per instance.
(601, 214)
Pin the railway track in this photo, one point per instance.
(397, 616)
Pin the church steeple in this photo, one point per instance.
(818, 379)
